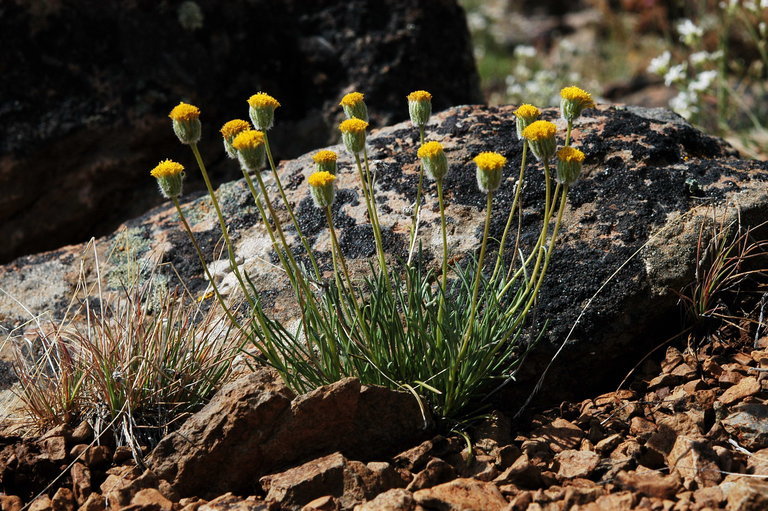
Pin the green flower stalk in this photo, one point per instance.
(541, 138)
(262, 110)
(325, 161)
(186, 123)
(572, 101)
(569, 162)
(354, 106)
(229, 131)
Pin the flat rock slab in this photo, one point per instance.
(629, 238)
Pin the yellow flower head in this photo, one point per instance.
(352, 99)
(527, 111)
(167, 168)
(576, 94)
(430, 150)
(184, 112)
(489, 162)
(570, 155)
(419, 95)
(540, 130)
(234, 128)
(354, 125)
(263, 100)
(324, 157)
(321, 178)
(249, 139)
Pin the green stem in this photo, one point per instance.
(303, 240)
(444, 284)
(222, 224)
(203, 263)
(371, 205)
(568, 133)
(502, 244)
(417, 207)
(478, 274)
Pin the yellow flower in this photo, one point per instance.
(430, 149)
(167, 168)
(489, 162)
(352, 99)
(249, 139)
(572, 101)
(321, 178)
(263, 100)
(570, 154)
(184, 112)
(434, 160)
(525, 115)
(353, 126)
(488, 172)
(540, 130)
(419, 95)
(234, 127)
(324, 157)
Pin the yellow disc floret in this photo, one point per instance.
(430, 150)
(352, 99)
(324, 156)
(576, 94)
(263, 100)
(353, 126)
(184, 112)
(167, 168)
(249, 139)
(321, 178)
(540, 130)
(489, 161)
(527, 111)
(419, 95)
(570, 154)
(234, 127)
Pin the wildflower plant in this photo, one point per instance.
(444, 337)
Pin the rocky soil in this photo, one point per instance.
(691, 434)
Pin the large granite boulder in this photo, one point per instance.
(650, 180)
(87, 87)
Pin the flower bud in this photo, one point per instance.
(250, 149)
(541, 138)
(569, 162)
(326, 161)
(434, 160)
(420, 107)
(169, 175)
(262, 110)
(353, 134)
(525, 114)
(354, 106)
(229, 131)
(322, 187)
(186, 123)
(488, 173)
(572, 101)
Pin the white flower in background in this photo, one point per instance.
(675, 74)
(660, 65)
(703, 81)
(730, 5)
(762, 27)
(689, 31)
(524, 52)
(476, 21)
(685, 104)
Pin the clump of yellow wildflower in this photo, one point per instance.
(420, 107)
(353, 134)
(569, 163)
(572, 101)
(354, 106)
(186, 123)
(262, 110)
(489, 165)
(525, 115)
(169, 175)
(326, 161)
(541, 138)
(322, 188)
(229, 131)
(250, 149)
(434, 160)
